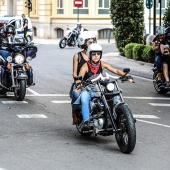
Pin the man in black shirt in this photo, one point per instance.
(25, 26)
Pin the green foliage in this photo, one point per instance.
(128, 50)
(166, 17)
(148, 54)
(128, 20)
(137, 51)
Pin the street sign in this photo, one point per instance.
(78, 3)
(149, 4)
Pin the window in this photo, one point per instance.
(104, 6)
(82, 10)
(60, 9)
(164, 5)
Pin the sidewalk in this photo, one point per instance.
(137, 68)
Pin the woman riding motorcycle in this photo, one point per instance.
(84, 40)
(92, 67)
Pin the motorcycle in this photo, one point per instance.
(16, 74)
(107, 115)
(70, 39)
(160, 87)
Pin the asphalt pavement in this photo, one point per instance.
(137, 68)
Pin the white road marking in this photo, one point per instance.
(145, 116)
(42, 95)
(153, 123)
(2, 169)
(14, 102)
(61, 101)
(32, 116)
(148, 98)
(160, 104)
(32, 91)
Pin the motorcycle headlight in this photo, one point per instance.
(9, 59)
(110, 86)
(28, 59)
(19, 59)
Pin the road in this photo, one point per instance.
(38, 132)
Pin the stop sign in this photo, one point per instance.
(78, 3)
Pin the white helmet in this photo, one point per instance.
(94, 48)
(84, 37)
(79, 24)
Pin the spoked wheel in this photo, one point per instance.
(20, 91)
(62, 43)
(155, 84)
(126, 136)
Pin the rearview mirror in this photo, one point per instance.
(126, 70)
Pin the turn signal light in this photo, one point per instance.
(27, 66)
(9, 66)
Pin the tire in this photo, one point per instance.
(62, 43)
(155, 84)
(126, 137)
(20, 91)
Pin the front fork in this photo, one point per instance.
(17, 74)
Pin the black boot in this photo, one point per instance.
(86, 126)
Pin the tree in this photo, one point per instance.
(128, 20)
(166, 17)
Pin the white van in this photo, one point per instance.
(17, 22)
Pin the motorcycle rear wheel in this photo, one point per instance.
(126, 137)
(62, 43)
(20, 91)
(155, 84)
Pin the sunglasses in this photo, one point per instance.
(161, 34)
(95, 53)
(9, 33)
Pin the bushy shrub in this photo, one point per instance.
(128, 51)
(128, 20)
(137, 51)
(148, 54)
(166, 17)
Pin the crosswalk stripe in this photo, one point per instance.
(32, 116)
(145, 116)
(160, 104)
(61, 101)
(14, 102)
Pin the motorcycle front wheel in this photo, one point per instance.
(62, 42)
(20, 91)
(126, 135)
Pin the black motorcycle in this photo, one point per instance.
(15, 71)
(108, 116)
(70, 39)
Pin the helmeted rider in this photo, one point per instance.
(84, 40)
(160, 32)
(165, 44)
(9, 31)
(92, 67)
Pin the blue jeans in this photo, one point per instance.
(158, 62)
(83, 97)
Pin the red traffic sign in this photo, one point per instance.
(78, 3)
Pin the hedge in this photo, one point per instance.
(139, 52)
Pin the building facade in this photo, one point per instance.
(51, 17)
